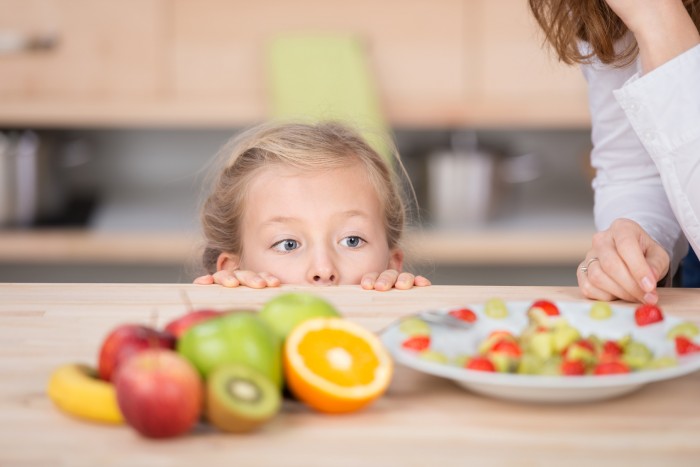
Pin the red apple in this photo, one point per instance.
(127, 340)
(159, 393)
(178, 326)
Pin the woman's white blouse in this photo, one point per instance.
(646, 148)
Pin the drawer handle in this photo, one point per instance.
(13, 42)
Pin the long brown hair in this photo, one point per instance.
(307, 147)
(565, 22)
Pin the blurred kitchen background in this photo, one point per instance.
(111, 112)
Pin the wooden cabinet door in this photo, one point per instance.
(416, 49)
(519, 79)
(103, 49)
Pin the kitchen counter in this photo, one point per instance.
(422, 420)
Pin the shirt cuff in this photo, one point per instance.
(662, 105)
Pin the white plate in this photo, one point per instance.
(545, 389)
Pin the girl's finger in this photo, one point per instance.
(225, 278)
(250, 279)
(421, 281)
(271, 280)
(368, 280)
(386, 280)
(404, 281)
(204, 280)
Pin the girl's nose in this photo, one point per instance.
(322, 271)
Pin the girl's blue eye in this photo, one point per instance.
(286, 245)
(353, 241)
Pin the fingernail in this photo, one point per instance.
(647, 284)
(367, 282)
(650, 298)
(380, 284)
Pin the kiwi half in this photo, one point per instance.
(240, 399)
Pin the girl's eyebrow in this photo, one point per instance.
(288, 219)
(353, 213)
(280, 220)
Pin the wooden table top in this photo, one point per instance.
(422, 420)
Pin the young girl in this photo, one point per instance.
(304, 204)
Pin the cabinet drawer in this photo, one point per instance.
(103, 48)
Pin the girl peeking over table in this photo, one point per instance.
(310, 204)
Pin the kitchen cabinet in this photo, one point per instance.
(446, 63)
(93, 51)
(180, 64)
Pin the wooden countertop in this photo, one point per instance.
(422, 420)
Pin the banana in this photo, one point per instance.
(76, 389)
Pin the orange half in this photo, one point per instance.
(336, 366)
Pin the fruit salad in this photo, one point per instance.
(539, 339)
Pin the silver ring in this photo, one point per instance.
(584, 269)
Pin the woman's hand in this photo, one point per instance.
(663, 28)
(625, 262)
(392, 278)
(255, 280)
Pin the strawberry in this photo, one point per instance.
(548, 307)
(611, 368)
(416, 343)
(685, 346)
(586, 344)
(611, 351)
(480, 364)
(507, 347)
(465, 314)
(494, 338)
(498, 336)
(573, 368)
(647, 314)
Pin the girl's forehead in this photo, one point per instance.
(280, 169)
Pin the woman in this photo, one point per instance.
(641, 59)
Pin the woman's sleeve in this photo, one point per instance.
(627, 183)
(663, 108)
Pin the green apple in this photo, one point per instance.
(283, 312)
(236, 337)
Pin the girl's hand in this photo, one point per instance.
(254, 280)
(625, 262)
(392, 278)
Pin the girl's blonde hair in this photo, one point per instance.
(565, 22)
(308, 148)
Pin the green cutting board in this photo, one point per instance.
(326, 77)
